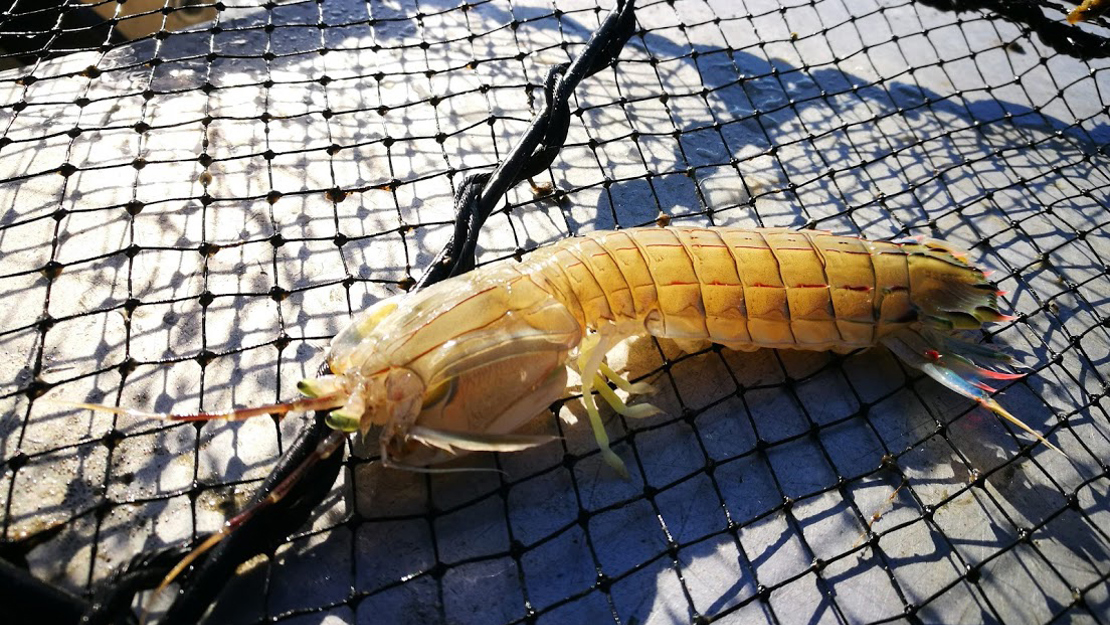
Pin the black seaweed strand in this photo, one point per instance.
(1057, 34)
(478, 194)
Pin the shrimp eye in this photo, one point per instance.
(319, 387)
(342, 421)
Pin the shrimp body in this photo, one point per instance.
(753, 288)
(463, 364)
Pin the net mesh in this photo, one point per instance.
(190, 216)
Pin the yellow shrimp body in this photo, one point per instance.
(463, 364)
(745, 289)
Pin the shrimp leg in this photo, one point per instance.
(639, 388)
(590, 353)
(639, 411)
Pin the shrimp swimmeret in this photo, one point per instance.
(462, 365)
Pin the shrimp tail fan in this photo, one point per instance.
(948, 292)
(958, 365)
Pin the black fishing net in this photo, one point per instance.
(197, 196)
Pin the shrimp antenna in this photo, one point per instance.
(324, 402)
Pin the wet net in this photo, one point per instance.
(197, 196)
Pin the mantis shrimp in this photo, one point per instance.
(462, 365)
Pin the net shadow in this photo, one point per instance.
(188, 222)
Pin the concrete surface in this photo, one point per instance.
(840, 114)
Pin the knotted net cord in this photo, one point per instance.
(719, 474)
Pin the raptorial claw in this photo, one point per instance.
(455, 442)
